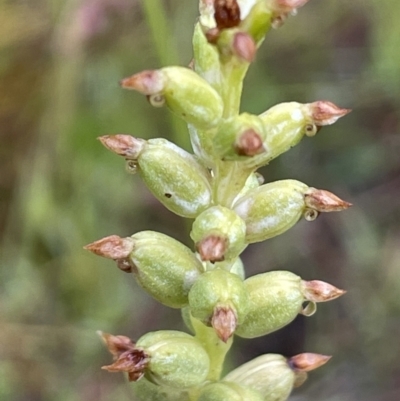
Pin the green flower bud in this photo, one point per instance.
(240, 138)
(173, 175)
(274, 376)
(219, 298)
(271, 209)
(225, 391)
(186, 94)
(147, 391)
(219, 234)
(163, 266)
(167, 358)
(206, 59)
(277, 297)
(287, 123)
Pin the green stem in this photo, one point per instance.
(215, 348)
(230, 178)
(232, 75)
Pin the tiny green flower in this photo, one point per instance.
(173, 175)
(218, 234)
(271, 209)
(186, 94)
(274, 376)
(276, 298)
(163, 266)
(219, 298)
(168, 358)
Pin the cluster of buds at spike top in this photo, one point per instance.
(276, 298)
(220, 189)
(164, 267)
(275, 376)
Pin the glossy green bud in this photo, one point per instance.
(219, 234)
(274, 376)
(219, 298)
(226, 391)
(167, 358)
(175, 178)
(275, 300)
(186, 94)
(277, 297)
(173, 175)
(240, 138)
(268, 374)
(176, 359)
(163, 266)
(287, 123)
(271, 209)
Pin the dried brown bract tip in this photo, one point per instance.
(326, 113)
(116, 344)
(148, 82)
(319, 291)
(112, 247)
(244, 47)
(212, 248)
(123, 145)
(324, 201)
(227, 13)
(249, 144)
(307, 361)
(127, 358)
(224, 322)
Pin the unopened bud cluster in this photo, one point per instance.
(219, 188)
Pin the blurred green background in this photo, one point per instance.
(60, 62)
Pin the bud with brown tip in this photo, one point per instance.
(275, 376)
(277, 297)
(164, 267)
(219, 298)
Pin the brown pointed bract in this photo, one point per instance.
(112, 247)
(212, 248)
(324, 201)
(224, 322)
(123, 145)
(307, 361)
(326, 113)
(148, 82)
(319, 291)
(127, 358)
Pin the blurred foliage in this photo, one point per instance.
(59, 189)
